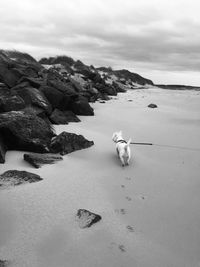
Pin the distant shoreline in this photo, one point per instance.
(178, 87)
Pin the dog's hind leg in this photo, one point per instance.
(117, 151)
(122, 161)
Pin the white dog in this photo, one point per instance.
(122, 147)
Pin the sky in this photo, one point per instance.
(158, 39)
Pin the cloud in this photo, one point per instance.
(159, 35)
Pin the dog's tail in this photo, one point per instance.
(127, 145)
(129, 141)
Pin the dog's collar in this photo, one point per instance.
(121, 141)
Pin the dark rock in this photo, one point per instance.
(32, 82)
(14, 65)
(86, 218)
(56, 80)
(152, 106)
(15, 177)
(28, 132)
(10, 76)
(58, 117)
(63, 117)
(3, 150)
(76, 85)
(33, 96)
(119, 87)
(3, 263)
(103, 97)
(105, 89)
(53, 95)
(37, 160)
(102, 102)
(66, 143)
(82, 107)
(71, 117)
(11, 102)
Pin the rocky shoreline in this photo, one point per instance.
(35, 95)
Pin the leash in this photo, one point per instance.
(169, 146)
(145, 144)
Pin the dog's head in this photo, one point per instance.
(116, 136)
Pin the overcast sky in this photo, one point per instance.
(159, 39)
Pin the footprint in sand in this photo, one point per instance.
(122, 248)
(130, 228)
(129, 198)
(121, 211)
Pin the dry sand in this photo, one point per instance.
(150, 209)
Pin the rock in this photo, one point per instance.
(119, 87)
(53, 95)
(86, 218)
(81, 107)
(32, 82)
(56, 80)
(32, 96)
(103, 97)
(63, 117)
(3, 150)
(9, 75)
(14, 65)
(11, 102)
(66, 143)
(27, 132)
(76, 85)
(37, 160)
(15, 177)
(152, 106)
(3, 263)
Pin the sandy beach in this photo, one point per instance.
(150, 209)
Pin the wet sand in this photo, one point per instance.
(150, 209)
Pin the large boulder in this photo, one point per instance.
(56, 80)
(77, 86)
(81, 107)
(53, 95)
(37, 159)
(27, 132)
(15, 177)
(32, 96)
(63, 117)
(14, 65)
(66, 143)
(8, 74)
